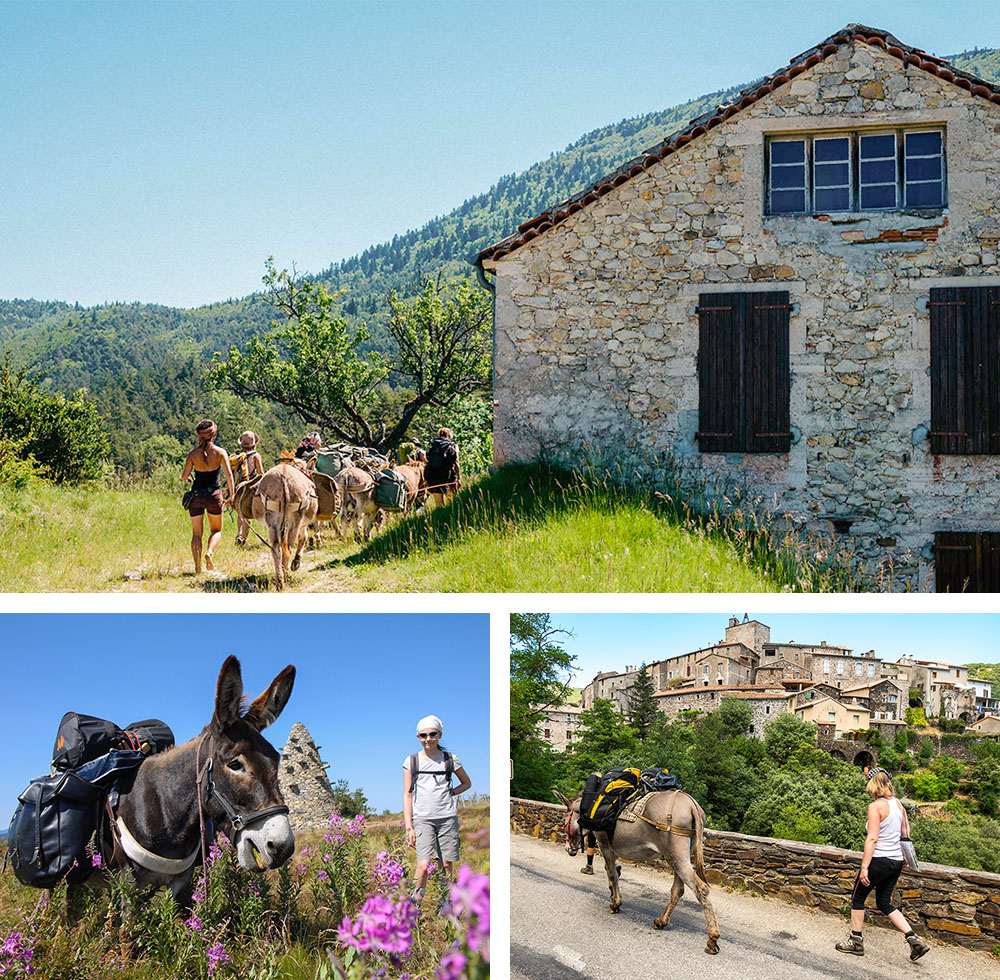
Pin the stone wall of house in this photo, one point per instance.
(951, 904)
(304, 783)
(597, 335)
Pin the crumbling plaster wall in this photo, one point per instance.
(596, 334)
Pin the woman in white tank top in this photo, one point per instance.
(881, 865)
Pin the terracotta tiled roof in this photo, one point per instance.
(747, 97)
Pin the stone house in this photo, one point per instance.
(985, 702)
(990, 725)
(887, 700)
(559, 726)
(766, 702)
(786, 295)
(946, 688)
(784, 672)
(830, 711)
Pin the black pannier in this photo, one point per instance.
(659, 780)
(149, 736)
(56, 818)
(82, 738)
(601, 804)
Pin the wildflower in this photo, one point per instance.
(388, 871)
(16, 953)
(194, 924)
(452, 964)
(217, 956)
(381, 925)
(96, 860)
(322, 875)
(470, 901)
(299, 868)
(214, 851)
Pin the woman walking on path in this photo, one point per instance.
(429, 809)
(207, 461)
(881, 865)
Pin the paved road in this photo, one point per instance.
(560, 929)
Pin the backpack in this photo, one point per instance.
(449, 768)
(599, 808)
(658, 780)
(239, 463)
(57, 818)
(390, 490)
(82, 738)
(331, 461)
(442, 456)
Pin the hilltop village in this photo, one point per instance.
(841, 691)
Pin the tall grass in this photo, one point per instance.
(287, 924)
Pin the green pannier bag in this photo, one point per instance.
(390, 490)
(331, 461)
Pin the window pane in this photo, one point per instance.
(878, 172)
(878, 146)
(831, 175)
(924, 195)
(835, 199)
(785, 202)
(923, 143)
(831, 149)
(878, 196)
(923, 168)
(788, 151)
(788, 176)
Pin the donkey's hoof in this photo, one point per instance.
(295, 564)
(614, 909)
(712, 946)
(657, 924)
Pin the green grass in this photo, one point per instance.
(524, 529)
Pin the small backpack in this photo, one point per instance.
(390, 490)
(442, 455)
(659, 780)
(449, 768)
(599, 810)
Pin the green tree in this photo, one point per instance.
(323, 370)
(540, 672)
(926, 749)
(798, 822)
(606, 740)
(63, 437)
(349, 802)
(786, 734)
(641, 704)
(734, 715)
(986, 785)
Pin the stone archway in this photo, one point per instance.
(864, 758)
(838, 755)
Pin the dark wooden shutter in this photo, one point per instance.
(743, 373)
(720, 375)
(965, 369)
(767, 376)
(967, 561)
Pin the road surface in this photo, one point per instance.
(560, 929)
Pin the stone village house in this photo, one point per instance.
(798, 293)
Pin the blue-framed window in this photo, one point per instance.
(871, 170)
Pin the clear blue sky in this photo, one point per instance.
(362, 684)
(610, 641)
(160, 151)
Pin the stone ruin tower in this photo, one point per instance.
(304, 783)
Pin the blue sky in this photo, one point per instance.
(160, 151)
(362, 684)
(610, 641)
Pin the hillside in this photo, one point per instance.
(124, 352)
(987, 672)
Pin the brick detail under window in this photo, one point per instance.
(743, 375)
(965, 369)
(967, 561)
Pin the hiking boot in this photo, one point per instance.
(917, 947)
(417, 897)
(853, 944)
(587, 869)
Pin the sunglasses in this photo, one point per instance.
(428, 734)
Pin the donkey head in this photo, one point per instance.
(245, 770)
(571, 825)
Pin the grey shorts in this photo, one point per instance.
(434, 832)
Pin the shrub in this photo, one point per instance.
(926, 749)
(901, 741)
(889, 758)
(916, 717)
(927, 786)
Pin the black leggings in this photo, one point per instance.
(883, 873)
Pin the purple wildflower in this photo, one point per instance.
(16, 954)
(217, 956)
(381, 925)
(470, 901)
(452, 964)
(388, 871)
(214, 851)
(322, 875)
(96, 860)
(194, 924)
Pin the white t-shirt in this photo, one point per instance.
(431, 797)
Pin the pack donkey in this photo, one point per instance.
(227, 775)
(670, 827)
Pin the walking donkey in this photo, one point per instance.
(227, 775)
(670, 826)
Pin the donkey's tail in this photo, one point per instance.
(698, 844)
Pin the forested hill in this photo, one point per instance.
(121, 352)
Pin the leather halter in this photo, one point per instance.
(569, 833)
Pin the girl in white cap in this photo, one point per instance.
(429, 809)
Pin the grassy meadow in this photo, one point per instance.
(279, 925)
(523, 529)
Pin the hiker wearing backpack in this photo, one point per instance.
(429, 809)
(246, 465)
(443, 473)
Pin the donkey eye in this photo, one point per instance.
(235, 765)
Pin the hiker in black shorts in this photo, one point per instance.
(443, 472)
(881, 865)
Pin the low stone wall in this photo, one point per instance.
(951, 904)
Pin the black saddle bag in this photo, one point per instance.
(149, 736)
(83, 738)
(58, 816)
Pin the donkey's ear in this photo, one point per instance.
(269, 705)
(228, 693)
(562, 799)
